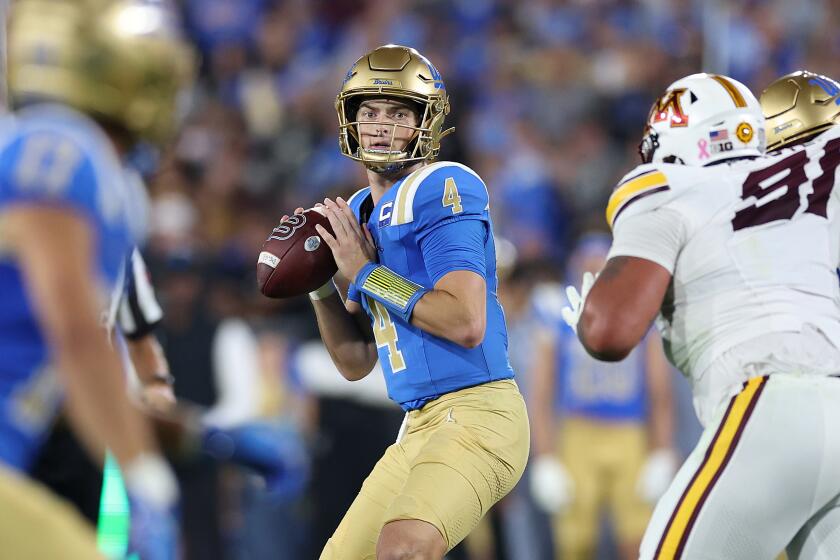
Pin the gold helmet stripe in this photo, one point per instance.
(730, 89)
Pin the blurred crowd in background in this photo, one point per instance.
(548, 100)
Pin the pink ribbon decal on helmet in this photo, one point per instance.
(703, 145)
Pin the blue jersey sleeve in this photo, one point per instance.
(457, 245)
(450, 193)
(48, 167)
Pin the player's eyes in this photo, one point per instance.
(401, 115)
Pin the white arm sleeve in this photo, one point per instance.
(236, 365)
(656, 236)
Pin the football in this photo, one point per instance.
(295, 260)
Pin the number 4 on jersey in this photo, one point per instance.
(451, 196)
(385, 333)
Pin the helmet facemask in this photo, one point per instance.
(648, 145)
(423, 143)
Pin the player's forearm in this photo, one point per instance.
(97, 400)
(621, 306)
(57, 264)
(351, 350)
(148, 359)
(542, 425)
(541, 397)
(444, 315)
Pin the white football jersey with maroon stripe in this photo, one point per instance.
(753, 247)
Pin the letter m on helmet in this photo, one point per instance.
(668, 107)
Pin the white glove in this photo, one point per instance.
(551, 486)
(656, 475)
(571, 314)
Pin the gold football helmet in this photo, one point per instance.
(117, 60)
(798, 106)
(393, 71)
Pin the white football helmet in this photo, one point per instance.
(703, 119)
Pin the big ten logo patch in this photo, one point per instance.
(719, 141)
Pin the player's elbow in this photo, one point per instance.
(353, 373)
(470, 333)
(604, 338)
(357, 366)
(354, 370)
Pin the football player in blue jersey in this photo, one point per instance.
(417, 247)
(603, 432)
(88, 77)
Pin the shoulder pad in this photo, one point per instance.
(356, 199)
(440, 191)
(645, 182)
(50, 165)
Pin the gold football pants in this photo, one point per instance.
(455, 458)
(604, 459)
(37, 525)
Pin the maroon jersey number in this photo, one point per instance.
(779, 185)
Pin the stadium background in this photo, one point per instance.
(548, 102)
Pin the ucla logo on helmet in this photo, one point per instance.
(828, 87)
(385, 82)
(436, 77)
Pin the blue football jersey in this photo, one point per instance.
(51, 155)
(612, 391)
(418, 366)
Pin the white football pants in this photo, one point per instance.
(765, 476)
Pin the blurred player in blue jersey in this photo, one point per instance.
(417, 246)
(89, 78)
(602, 431)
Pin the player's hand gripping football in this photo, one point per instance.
(352, 246)
(571, 313)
